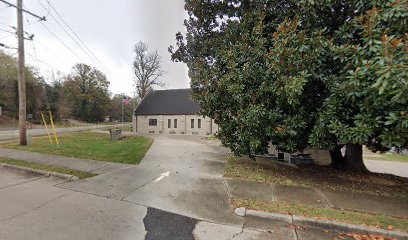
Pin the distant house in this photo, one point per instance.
(171, 112)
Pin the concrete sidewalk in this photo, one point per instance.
(85, 165)
(359, 202)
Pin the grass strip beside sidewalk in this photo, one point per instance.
(91, 145)
(322, 177)
(377, 221)
(48, 168)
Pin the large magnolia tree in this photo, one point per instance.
(299, 74)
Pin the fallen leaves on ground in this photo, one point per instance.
(363, 236)
(379, 184)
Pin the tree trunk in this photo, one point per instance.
(338, 161)
(353, 159)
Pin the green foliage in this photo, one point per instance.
(86, 93)
(35, 92)
(83, 94)
(368, 103)
(54, 96)
(299, 73)
(115, 109)
(8, 83)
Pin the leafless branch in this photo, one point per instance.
(147, 69)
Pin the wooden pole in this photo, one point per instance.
(21, 78)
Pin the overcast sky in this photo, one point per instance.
(109, 28)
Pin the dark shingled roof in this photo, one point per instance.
(168, 102)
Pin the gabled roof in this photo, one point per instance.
(168, 102)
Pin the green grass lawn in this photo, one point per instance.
(387, 157)
(322, 177)
(89, 145)
(45, 167)
(378, 221)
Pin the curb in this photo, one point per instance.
(327, 224)
(275, 216)
(42, 172)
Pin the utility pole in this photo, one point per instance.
(24, 10)
(22, 112)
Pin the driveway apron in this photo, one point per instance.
(179, 174)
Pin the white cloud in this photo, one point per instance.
(109, 29)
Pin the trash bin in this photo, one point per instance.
(281, 156)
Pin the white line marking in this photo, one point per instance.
(163, 175)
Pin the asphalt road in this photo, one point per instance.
(177, 192)
(12, 134)
(36, 207)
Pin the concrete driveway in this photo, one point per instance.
(395, 168)
(194, 186)
(177, 192)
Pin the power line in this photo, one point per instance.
(48, 50)
(4, 23)
(43, 62)
(4, 30)
(67, 47)
(32, 38)
(29, 36)
(46, 9)
(59, 15)
(68, 34)
(87, 51)
(37, 21)
(6, 46)
(6, 36)
(23, 10)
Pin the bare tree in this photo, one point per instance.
(147, 69)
